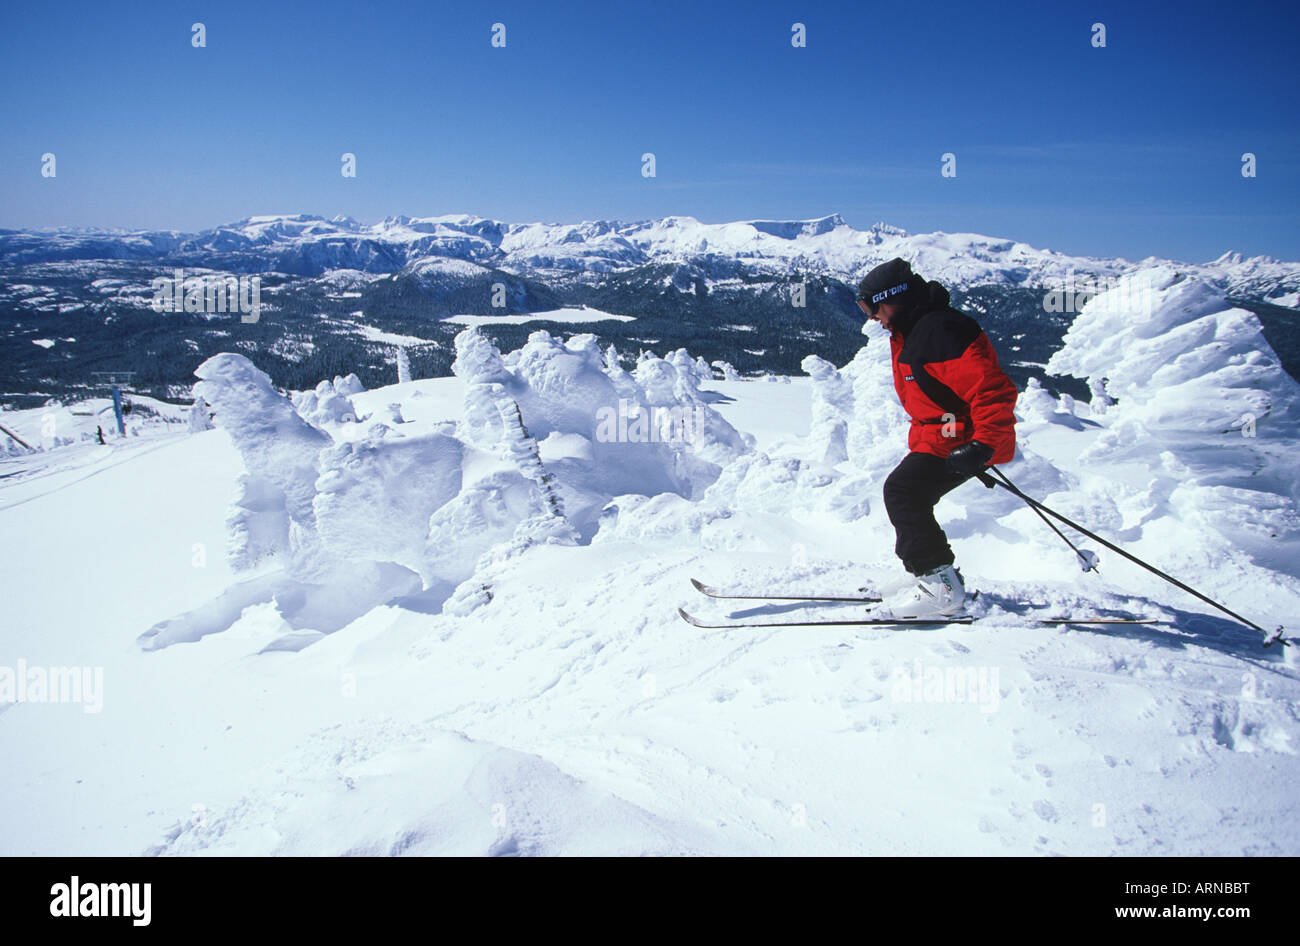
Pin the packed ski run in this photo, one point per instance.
(441, 617)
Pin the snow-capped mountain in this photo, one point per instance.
(338, 295)
(303, 244)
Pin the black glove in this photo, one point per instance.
(969, 458)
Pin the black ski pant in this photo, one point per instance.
(911, 491)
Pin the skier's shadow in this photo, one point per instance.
(1187, 627)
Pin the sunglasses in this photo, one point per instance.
(871, 305)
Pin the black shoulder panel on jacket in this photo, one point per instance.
(940, 335)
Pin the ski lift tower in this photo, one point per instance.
(116, 381)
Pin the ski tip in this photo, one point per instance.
(700, 586)
(687, 617)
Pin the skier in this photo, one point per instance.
(961, 403)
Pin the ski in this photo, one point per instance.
(1097, 620)
(861, 622)
(716, 593)
(901, 622)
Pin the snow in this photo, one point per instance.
(373, 334)
(581, 314)
(438, 266)
(446, 626)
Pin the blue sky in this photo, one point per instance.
(1132, 150)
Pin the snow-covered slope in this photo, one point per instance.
(465, 642)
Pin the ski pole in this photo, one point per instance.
(1086, 559)
(16, 437)
(1269, 639)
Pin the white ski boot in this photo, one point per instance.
(938, 593)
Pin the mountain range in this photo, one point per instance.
(339, 295)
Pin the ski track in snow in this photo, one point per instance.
(97, 464)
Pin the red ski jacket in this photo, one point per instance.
(945, 364)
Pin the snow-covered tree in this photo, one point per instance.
(200, 417)
(1101, 401)
(273, 516)
(348, 385)
(832, 408)
(728, 370)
